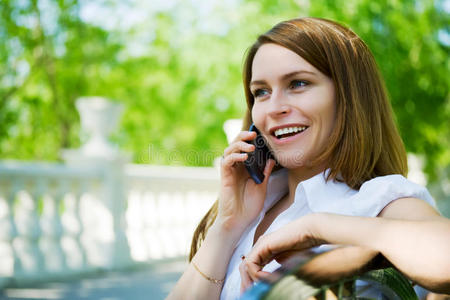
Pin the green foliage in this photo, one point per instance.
(50, 66)
(186, 80)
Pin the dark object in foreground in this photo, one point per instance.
(256, 161)
(333, 275)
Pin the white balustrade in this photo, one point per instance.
(32, 201)
(26, 243)
(59, 219)
(52, 230)
(96, 211)
(76, 258)
(8, 231)
(164, 206)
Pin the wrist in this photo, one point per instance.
(231, 226)
(224, 233)
(315, 224)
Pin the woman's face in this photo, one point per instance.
(294, 106)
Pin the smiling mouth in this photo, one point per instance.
(286, 132)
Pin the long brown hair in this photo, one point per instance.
(365, 142)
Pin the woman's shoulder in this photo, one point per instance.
(378, 192)
(395, 186)
(375, 194)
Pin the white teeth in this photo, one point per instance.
(287, 130)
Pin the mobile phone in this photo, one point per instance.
(256, 160)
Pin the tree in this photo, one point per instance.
(178, 72)
(53, 57)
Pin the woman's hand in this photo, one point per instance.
(240, 199)
(395, 237)
(279, 245)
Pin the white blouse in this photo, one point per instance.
(318, 195)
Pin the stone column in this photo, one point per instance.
(104, 238)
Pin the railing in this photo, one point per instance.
(95, 211)
(61, 220)
(164, 206)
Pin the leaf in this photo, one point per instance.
(392, 281)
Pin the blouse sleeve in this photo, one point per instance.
(378, 192)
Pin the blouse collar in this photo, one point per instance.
(320, 194)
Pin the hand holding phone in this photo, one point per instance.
(256, 161)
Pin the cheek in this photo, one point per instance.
(327, 122)
(257, 115)
(326, 111)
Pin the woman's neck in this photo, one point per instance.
(295, 176)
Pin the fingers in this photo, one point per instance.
(268, 247)
(237, 147)
(230, 160)
(239, 144)
(263, 275)
(279, 245)
(245, 136)
(253, 267)
(246, 281)
(251, 272)
(233, 153)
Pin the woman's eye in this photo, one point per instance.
(298, 83)
(260, 93)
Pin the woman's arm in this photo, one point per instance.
(420, 249)
(240, 202)
(212, 259)
(408, 232)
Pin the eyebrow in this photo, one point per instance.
(284, 77)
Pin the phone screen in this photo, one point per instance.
(256, 161)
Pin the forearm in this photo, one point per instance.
(212, 259)
(420, 249)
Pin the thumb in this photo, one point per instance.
(268, 170)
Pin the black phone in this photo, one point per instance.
(256, 160)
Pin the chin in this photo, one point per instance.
(293, 161)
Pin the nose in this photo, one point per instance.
(278, 105)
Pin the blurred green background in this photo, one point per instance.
(176, 67)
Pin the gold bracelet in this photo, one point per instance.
(216, 281)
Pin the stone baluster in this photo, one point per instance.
(10, 265)
(114, 196)
(27, 221)
(73, 227)
(149, 216)
(179, 209)
(52, 230)
(136, 222)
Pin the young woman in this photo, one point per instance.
(314, 92)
